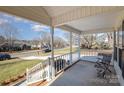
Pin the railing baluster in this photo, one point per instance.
(62, 62)
(89, 52)
(55, 64)
(69, 59)
(59, 63)
(49, 68)
(65, 60)
(72, 57)
(93, 52)
(66, 56)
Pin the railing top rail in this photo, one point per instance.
(74, 51)
(64, 54)
(29, 69)
(60, 55)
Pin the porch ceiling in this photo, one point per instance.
(85, 19)
(33, 13)
(81, 19)
(99, 23)
(64, 14)
(54, 11)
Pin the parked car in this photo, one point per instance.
(4, 56)
(46, 49)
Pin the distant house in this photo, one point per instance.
(36, 46)
(16, 46)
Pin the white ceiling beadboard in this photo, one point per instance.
(107, 20)
(54, 11)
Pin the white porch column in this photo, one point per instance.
(70, 47)
(113, 54)
(79, 46)
(52, 52)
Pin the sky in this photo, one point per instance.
(28, 30)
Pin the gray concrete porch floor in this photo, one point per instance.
(83, 74)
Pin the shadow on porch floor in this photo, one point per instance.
(84, 74)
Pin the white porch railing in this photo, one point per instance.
(38, 72)
(91, 55)
(63, 61)
(90, 52)
(43, 70)
(94, 52)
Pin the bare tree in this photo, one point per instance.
(45, 37)
(88, 40)
(59, 42)
(10, 32)
(74, 37)
(110, 38)
(46, 40)
(2, 40)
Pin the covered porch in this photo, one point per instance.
(70, 69)
(83, 73)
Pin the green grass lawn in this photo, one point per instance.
(15, 67)
(40, 53)
(65, 50)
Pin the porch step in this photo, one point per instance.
(40, 83)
